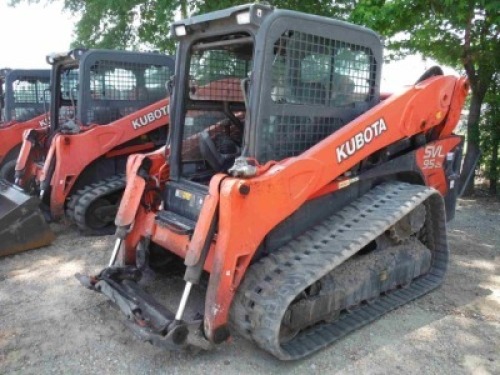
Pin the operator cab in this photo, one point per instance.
(97, 87)
(22, 94)
(265, 84)
(257, 84)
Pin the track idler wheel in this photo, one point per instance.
(408, 225)
(93, 209)
(100, 214)
(345, 272)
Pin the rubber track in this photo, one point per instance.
(71, 204)
(84, 198)
(272, 283)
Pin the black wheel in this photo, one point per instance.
(162, 260)
(8, 171)
(94, 221)
(96, 205)
(288, 333)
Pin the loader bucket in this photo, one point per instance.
(22, 225)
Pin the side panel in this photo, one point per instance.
(434, 159)
(439, 163)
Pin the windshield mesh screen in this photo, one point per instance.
(216, 75)
(118, 89)
(309, 69)
(28, 95)
(215, 104)
(313, 80)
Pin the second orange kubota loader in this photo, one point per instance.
(24, 103)
(105, 105)
(313, 206)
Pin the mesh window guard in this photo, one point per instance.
(309, 69)
(215, 75)
(313, 76)
(118, 89)
(29, 99)
(291, 135)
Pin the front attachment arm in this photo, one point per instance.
(146, 317)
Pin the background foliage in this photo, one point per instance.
(463, 34)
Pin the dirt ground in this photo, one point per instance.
(51, 325)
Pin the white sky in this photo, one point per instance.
(29, 32)
(405, 72)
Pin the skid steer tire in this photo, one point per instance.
(8, 171)
(91, 199)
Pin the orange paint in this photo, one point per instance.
(281, 188)
(11, 134)
(75, 152)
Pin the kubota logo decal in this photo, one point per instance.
(148, 118)
(360, 140)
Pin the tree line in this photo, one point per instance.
(463, 34)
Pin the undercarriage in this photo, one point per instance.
(381, 251)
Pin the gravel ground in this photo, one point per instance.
(51, 325)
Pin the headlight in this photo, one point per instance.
(243, 18)
(76, 53)
(51, 59)
(180, 30)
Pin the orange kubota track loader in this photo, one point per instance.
(106, 105)
(23, 106)
(313, 206)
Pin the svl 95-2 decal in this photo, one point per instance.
(433, 157)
